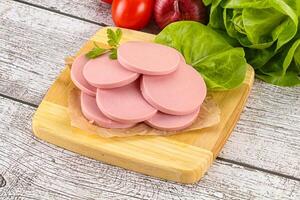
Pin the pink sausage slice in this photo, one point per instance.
(179, 93)
(124, 104)
(104, 72)
(148, 58)
(91, 111)
(172, 122)
(77, 77)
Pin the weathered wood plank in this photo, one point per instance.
(267, 135)
(33, 45)
(37, 170)
(92, 10)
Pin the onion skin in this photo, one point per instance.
(107, 1)
(168, 11)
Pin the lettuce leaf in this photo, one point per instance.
(267, 29)
(284, 68)
(221, 65)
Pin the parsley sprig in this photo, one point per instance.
(113, 41)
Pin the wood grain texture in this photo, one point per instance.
(268, 132)
(34, 169)
(29, 67)
(33, 45)
(94, 11)
(153, 156)
(182, 158)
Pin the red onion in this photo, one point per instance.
(168, 11)
(107, 1)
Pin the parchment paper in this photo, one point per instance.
(209, 116)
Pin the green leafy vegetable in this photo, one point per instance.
(283, 68)
(95, 52)
(113, 41)
(221, 65)
(267, 29)
(114, 37)
(113, 54)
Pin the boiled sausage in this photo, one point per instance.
(91, 111)
(179, 93)
(148, 58)
(125, 104)
(77, 77)
(104, 72)
(172, 122)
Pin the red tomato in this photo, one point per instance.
(107, 1)
(133, 14)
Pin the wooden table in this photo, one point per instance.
(261, 159)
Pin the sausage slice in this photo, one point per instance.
(148, 58)
(179, 93)
(103, 72)
(172, 122)
(77, 77)
(91, 111)
(125, 104)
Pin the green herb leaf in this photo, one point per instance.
(95, 52)
(118, 35)
(113, 41)
(114, 37)
(111, 37)
(113, 54)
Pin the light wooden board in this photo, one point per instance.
(270, 119)
(266, 137)
(33, 169)
(165, 157)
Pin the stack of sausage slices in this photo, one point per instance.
(148, 83)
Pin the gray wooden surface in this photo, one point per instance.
(261, 159)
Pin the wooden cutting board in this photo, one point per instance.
(182, 158)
